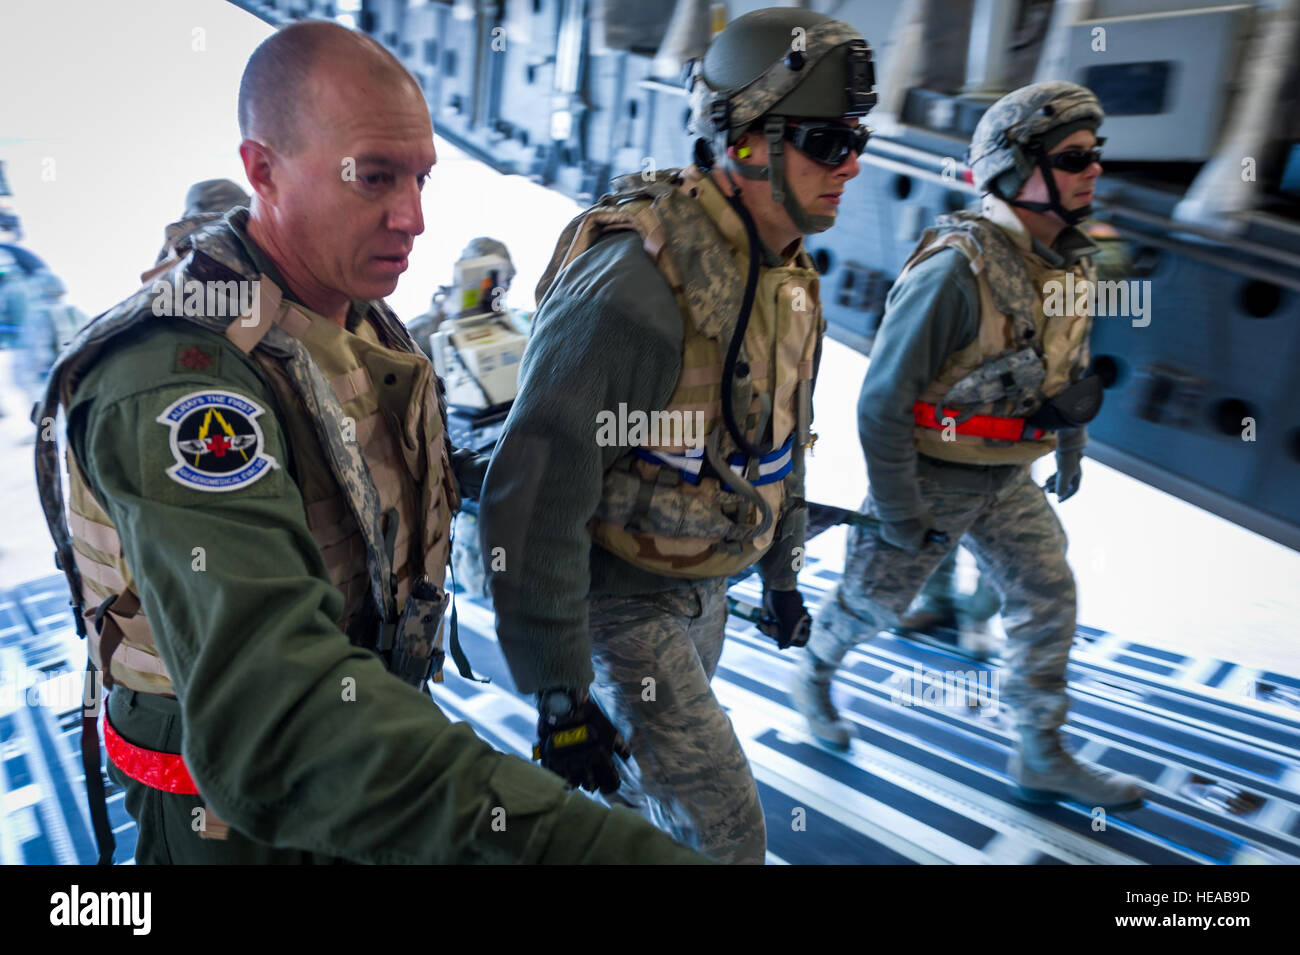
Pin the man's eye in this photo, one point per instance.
(420, 181)
(377, 178)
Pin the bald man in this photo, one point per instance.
(257, 525)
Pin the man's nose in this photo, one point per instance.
(406, 214)
(849, 168)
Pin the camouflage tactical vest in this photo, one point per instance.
(1013, 285)
(662, 509)
(372, 466)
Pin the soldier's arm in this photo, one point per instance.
(779, 567)
(293, 735)
(37, 348)
(1072, 439)
(609, 335)
(931, 313)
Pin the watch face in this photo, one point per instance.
(557, 703)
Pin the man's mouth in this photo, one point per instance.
(395, 264)
(832, 197)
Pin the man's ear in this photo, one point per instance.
(259, 162)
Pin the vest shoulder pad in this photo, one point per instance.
(994, 259)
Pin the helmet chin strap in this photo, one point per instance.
(1070, 216)
(774, 171)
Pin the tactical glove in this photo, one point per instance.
(1069, 471)
(580, 745)
(785, 619)
(470, 468)
(910, 534)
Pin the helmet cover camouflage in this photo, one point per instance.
(1001, 153)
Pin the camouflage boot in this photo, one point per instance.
(811, 693)
(1045, 772)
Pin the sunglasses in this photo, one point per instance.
(827, 143)
(1074, 160)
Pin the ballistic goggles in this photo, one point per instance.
(828, 143)
(1076, 160)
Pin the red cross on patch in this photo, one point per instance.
(195, 358)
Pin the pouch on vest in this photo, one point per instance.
(1073, 407)
(1011, 376)
(416, 656)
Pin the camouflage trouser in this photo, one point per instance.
(940, 593)
(1018, 543)
(467, 556)
(688, 774)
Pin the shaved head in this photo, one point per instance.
(276, 90)
(337, 145)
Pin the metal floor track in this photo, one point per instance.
(1217, 745)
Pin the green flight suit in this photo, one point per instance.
(302, 742)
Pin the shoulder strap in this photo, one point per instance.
(994, 260)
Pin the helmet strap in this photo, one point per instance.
(782, 194)
(1070, 216)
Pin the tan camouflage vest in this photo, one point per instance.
(387, 397)
(1012, 281)
(650, 515)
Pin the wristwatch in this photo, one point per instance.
(557, 703)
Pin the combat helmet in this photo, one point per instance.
(1015, 134)
(771, 65)
(213, 196)
(485, 245)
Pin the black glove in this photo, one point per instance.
(470, 468)
(785, 619)
(1069, 471)
(579, 745)
(910, 534)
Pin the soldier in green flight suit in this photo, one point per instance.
(257, 525)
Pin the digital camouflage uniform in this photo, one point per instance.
(969, 303)
(571, 612)
(617, 551)
(50, 324)
(1002, 516)
(255, 624)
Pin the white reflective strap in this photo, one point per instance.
(688, 463)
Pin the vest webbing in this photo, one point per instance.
(653, 514)
(1012, 286)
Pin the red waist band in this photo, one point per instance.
(926, 415)
(165, 771)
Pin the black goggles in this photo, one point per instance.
(1075, 160)
(827, 143)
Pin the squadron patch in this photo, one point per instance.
(216, 440)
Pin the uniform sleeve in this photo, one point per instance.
(294, 736)
(608, 337)
(1072, 439)
(779, 567)
(929, 314)
(37, 349)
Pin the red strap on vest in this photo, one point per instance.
(165, 771)
(925, 415)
